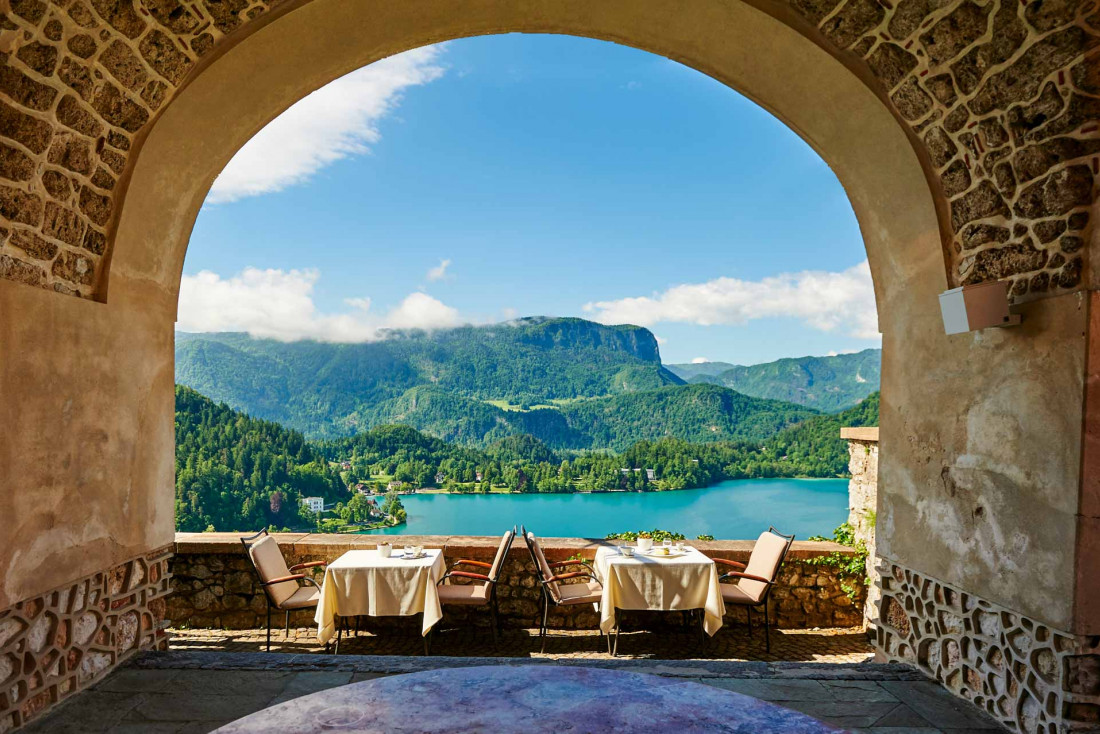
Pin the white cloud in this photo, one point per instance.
(278, 304)
(337, 121)
(700, 360)
(439, 271)
(827, 301)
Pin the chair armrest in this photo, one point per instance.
(572, 575)
(311, 564)
(281, 579)
(468, 562)
(466, 575)
(749, 576)
(724, 562)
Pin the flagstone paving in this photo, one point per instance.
(193, 692)
(836, 645)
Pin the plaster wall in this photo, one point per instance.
(981, 452)
(86, 433)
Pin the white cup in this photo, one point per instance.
(385, 549)
(644, 544)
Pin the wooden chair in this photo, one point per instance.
(482, 591)
(756, 578)
(280, 584)
(559, 594)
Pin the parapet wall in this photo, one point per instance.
(213, 583)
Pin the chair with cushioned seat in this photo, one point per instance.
(482, 589)
(756, 578)
(280, 584)
(559, 594)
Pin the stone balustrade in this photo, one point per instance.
(214, 584)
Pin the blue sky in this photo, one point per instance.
(518, 175)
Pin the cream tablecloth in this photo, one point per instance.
(682, 582)
(361, 582)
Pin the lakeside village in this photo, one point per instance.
(377, 504)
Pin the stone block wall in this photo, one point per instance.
(863, 501)
(214, 585)
(1029, 676)
(61, 642)
(1002, 98)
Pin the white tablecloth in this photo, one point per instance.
(361, 582)
(682, 582)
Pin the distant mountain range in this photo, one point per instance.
(828, 384)
(571, 383)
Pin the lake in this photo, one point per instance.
(739, 509)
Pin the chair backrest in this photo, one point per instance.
(767, 556)
(502, 553)
(542, 568)
(269, 563)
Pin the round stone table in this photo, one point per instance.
(527, 698)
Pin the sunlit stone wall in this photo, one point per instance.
(58, 643)
(999, 94)
(1029, 676)
(214, 585)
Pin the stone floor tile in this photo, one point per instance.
(937, 705)
(128, 680)
(232, 682)
(857, 690)
(775, 690)
(148, 727)
(897, 730)
(302, 684)
(358, 677)
(90, 711)
(191, 708)
(902, 715)
(845, 714)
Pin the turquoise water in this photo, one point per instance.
(734, 509)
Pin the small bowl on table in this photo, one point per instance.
(627, 550)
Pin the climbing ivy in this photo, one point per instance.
(852, 565)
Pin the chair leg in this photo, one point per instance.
(545, 615)
(493, 619)
(748, 611)
(702, 626)
(286, 625)
(767, 628)
(269, 627)
(339, 634)
(615, 649)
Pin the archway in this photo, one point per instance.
(972, 423)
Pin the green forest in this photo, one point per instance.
(234, 472)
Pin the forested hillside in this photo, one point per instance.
(699, 413)
(828, 384)
(328, 389)
(239, 473)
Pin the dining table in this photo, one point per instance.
(685, 580)
(366, 582)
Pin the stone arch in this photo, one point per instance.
(995, 98)
(964, 133)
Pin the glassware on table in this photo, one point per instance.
(667, 543)
(679, 546)
(410, 551)
(418, 550)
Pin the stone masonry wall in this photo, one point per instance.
(1030, 677)
(63, 641)
(213, 584)
(863, 501)
(1004, 96)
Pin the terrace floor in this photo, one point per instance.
(835, 645)
(182, 692)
